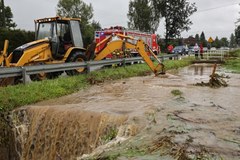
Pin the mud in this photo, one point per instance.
(200, 123)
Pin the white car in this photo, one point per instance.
(213, 49)
(205, 49)
(224, 48)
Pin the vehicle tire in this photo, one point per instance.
(38, 77)
(76, 57)
(53, 75)
(44, 76)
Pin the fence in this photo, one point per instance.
(217, 54)
(212, 55)
(24, 71)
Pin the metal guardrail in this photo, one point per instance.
(24, 71)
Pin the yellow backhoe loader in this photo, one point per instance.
(59, 40)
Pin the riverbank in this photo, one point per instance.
(19, 95)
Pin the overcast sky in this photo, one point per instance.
(214, 17)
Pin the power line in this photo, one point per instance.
(223, 6)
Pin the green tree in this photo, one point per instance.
(75, 9)
(16, 38)
(232, 43)
(143, 16)
(6, 17)
(224, 42)
(237, 35)
(203, 40)
(79, 9)
(197, 38)
(216, 43)
(176, 15)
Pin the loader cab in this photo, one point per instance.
(63, 33)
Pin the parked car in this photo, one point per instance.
(205, 49)
(225, 48)
(180, 50)
(213, 49)
(191, 49)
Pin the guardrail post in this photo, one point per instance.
(222, 53)
(88, 67)
(124, 62)
(24, 75)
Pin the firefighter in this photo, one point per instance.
(201, 51)
(170, 48)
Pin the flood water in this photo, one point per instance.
(211, 117)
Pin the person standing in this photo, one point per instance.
(201, 51)
(169, 50)
(196, 50)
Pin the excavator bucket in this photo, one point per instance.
(159, 69)
(90, 53)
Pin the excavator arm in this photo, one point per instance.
(3, 54)
(142, 48)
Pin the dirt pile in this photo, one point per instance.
(215, 81)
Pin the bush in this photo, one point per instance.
(16, 38)
(235, 53)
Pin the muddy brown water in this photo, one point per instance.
(72, 125)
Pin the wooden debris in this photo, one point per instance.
(216, 81)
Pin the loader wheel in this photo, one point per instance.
(38, 77)
(43, 76)
(53, 75)
(76, 57)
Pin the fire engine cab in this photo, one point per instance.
(148, 38)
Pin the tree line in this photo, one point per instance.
(218, 43)
(143, 15)
(65, 8)
(8, 31)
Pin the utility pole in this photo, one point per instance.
(3, 14)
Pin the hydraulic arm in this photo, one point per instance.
(3, 54)
(139, 46)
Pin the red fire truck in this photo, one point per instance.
(149, 39)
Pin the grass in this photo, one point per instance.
(20, 95)
(233, 62)
(126, 153)
(234, 53)
(176, 92)
(12, 97)
(110, 134)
